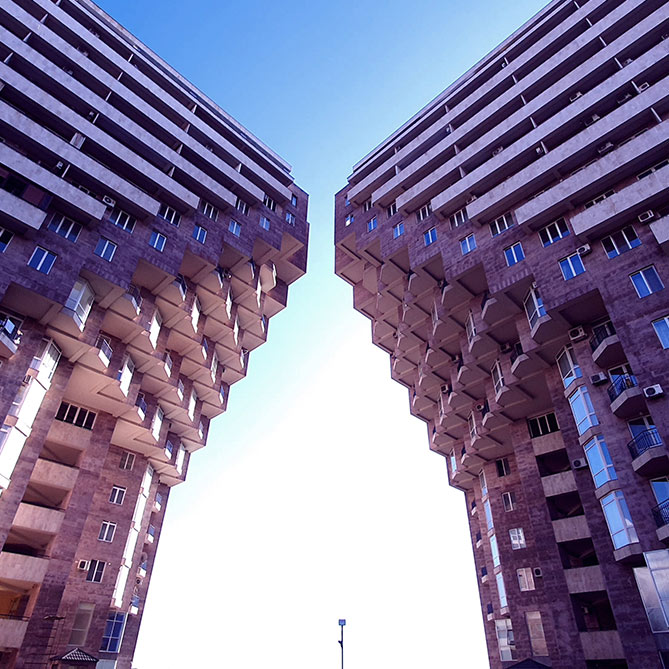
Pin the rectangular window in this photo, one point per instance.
(64, 227)
(392, 209)
(113, 634)
(349, 219)
(157, 241)
(534, 306)
(424, 212)
(483, 484)
(503, 467)
(117, 495)
(269, 202)
(125, 374)
(430, 237)
(371, 224)
(501, 590)
(505, 640)
(514, 254)
(620, 242)
(525, 579)
(652, 583)
(517, 538)
(542, 425)
(105, 249)
(458, 218)
(127, 461)
(509, 501)
(81, 625)
(80, 301)
(209, 210)
(5, 237)
(618, 519)
(107, 531)
(42, 260)
(398, 230)
(293, 200)
(154, 328)
(598, 199)
(599, 460)
(470, 328)
(242, 206)
(488, 515)
(264, 223)
(647, 281)
(582, 410)
(69, 413)
(537, 636)
(499, 225)
(199, 234)
(569, 368)
(571, 266)
(95, 571)
(553, 232)
(654, 168)
(661, 327)
(235, 228)
(494, 550)
(290, 218)
(122, 220)
(172, 216)
(468, 244)
(497, 377)
(367, 206)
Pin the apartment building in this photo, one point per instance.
(509, 245)
(146, 241)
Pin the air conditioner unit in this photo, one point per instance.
(505, 348)
(448, 129)
(83, 188)
(627, 61)
(83, 565)
(471, 199)
(480, 406)
(583, 250)
(504, 64)
(498, 150)
(579, 463)
(577, 334)
(624, 98)
(650, 392)
(60, 165)
(537, 572)
(642, 87)
(605, 148)
(646, 216)
(68, 71)
(599, 378)
(575, 96)
(591, 119)
(540, 150)
(109, 201)
(92, 114)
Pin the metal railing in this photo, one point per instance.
(516, 352)
(661, 514)
(620, 385)
(599, 334)
(643, 441)
(105, 347)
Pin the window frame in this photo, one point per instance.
(468, 244)
(199, 233)
(616, 503)
(570, 264)
(648, 289)
(662, 324)
(117, 495)
(514, 254)
(599, 461)
(107, 531)
(44, 260)
(590, 416)
(398, 229)
(96, 571)
(65, 227)
(122, 219)
(548, 237)
(430, 236)
(615, 239)
(157, 241)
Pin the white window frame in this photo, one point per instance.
(661, 327)
(599, 461)
(169, 214)
(553, 232)
(64, 227)
(501, 224)
(497, 377)
(430, 236)
(290, 218)
(125, 374)
(96, 571)
(642, 285)
(199, 233)
(117, 495)
(487, 511)
(127, 461)
(620, 242)
(468, 244)
(107, 531)
(398, 229)
(391, 210)
(157, 241)
(47, 258)
(5, 239)
(542, 424)
(458, 218)
(470, 328)
(509, 501)
(80, 301)
(494, 551)
(598, 199)
(537, 310)
(242, 206)
(235, 228)
(424, 211)
(618, 519)
(580, 399)
(209, 210)
(568, 366)
(525, 579)
(501, 590)
(505, 639)
(372, 224)
(514, 254)
(269, 202)
(122, 219)
(517, 537)
(154, 328)
(571, 266)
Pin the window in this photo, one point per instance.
(192, 402)
(424, 212)
(15, 186)
(570, 370)
(468, 244)
(430, 237)
(5, 237)
(488, 515)
(154, 328)
(95, 571)
(509, 501)
(598, 199)
(621, 242)
(505, 640)
(242, 206)
(472, 426)
(68, 413)
(199, 234)
(172, 216)
(349, 219)
(10, 326)
(654, 168)
(107, 531)
(105, 249)
(497, 377)
(122, 220)
(235, 228)
(195, 312)
(127, 461)
(661, 327)
(157, 241)
(113, 634)
(42, 260)
(157, 423)
(81, 625)
(517, 538)
(599, 460)
(209, 210)
(80, 301)
(525, 579)
(553, 232)
(293, 200)
(499, 225)
(269, 202)
(179, 462)
(537, 636)
(483, 484)
(371, 224)
(618, 519)
(392, 209)
(398, 230)
(494, 551)
(514, 254)
(582, 410)
(117, 495)
(367, 206)
(652, 583)
(647, 281)
(503, 467)
(542, 425)
(534, 306)
(501, 590)
(571, 266)
(290, 218)
(264, 223)
(125, 375)
(458, 218)
(470, 327)
(64, 227)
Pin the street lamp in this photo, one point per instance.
(342, 622)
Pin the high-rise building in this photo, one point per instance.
(146, 240)
(509, 245)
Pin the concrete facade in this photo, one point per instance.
(146, 240)
(509, 246)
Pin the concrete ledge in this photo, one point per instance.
(21, 211)
(603, 645)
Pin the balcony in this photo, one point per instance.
(661, 517)
(12, 631)
(602, 645)
(22, 571)
(585, 579)
(605, 346)
(8, 344)
(625, 396)
(649, 456)
(38, 518)
(570, 529)
(54, 475)
(559, 484)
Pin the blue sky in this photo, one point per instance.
(317, 497)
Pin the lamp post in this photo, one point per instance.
(342, 622)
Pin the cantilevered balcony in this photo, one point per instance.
(605, 345)
(12, 631)
(649, 455)
(661, 517)
(625, 396)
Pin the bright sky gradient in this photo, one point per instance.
(317, 497)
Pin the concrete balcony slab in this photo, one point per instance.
(12, 632)
(602, 645)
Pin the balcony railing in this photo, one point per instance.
(105, 348)
(140, 403)
(643, 441)
(661, 514)
(516, 352)
(620, 385)
(600, 333)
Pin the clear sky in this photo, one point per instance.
(317, 497)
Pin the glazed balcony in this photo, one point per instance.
(661, 518)
(625, 396)
(649, 455)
